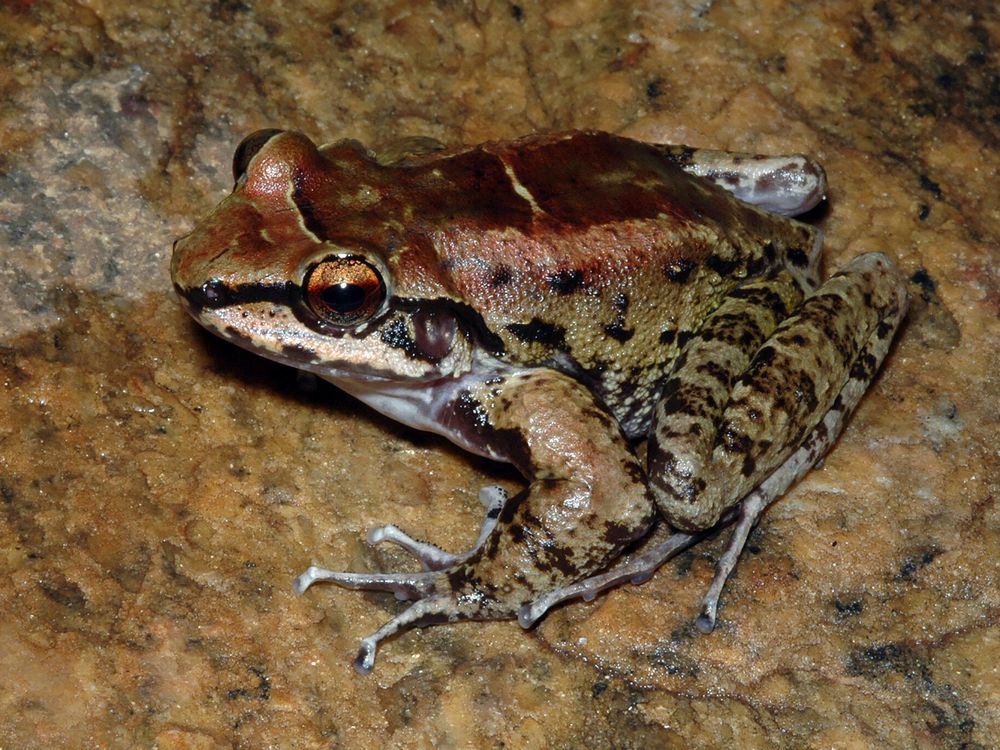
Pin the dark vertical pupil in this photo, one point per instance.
(343, 297)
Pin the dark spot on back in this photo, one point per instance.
(565, 282)
(618, 332)
(721, 265)
(667, 337)
(501, 275)
(679, 271)
(539, 332)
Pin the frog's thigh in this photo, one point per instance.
(587, 498)
(812, 363)
(786, 185)
(687, 417)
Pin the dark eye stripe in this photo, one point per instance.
(215, 294)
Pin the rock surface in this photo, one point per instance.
(160, 489)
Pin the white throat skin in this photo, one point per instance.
(427, 404)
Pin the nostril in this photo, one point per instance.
(213, 294)
(213, 291)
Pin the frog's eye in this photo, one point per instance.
(344, 291)
(248, 149)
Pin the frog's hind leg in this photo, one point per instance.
(741, 421)
(786, 185)
(432, 557)
(637, 569)
(794, 468)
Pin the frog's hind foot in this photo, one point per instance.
(786, 185)
(436, 602)
(639, 568)
(432, 557)
(750, 510)
(430, 609)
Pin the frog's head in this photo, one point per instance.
(265, 271)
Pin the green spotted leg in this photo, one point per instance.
(759, 395)
(784, 409)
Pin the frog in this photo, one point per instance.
(554, 302)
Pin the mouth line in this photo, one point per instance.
(302, 358)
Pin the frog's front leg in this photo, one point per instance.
(740, 423)
(586, 501)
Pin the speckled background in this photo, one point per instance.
(159, 489)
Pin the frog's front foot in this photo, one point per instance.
(432, 557)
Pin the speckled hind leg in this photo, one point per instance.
(638, 568)
(806, 457)
(729, 429)
(714, 357)
(786, 185)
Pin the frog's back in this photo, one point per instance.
(597, 255)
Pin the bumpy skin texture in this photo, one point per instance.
(588, 497)
(542, 302)
(585, 250)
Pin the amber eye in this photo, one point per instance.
(344, 291)
(248, 149)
